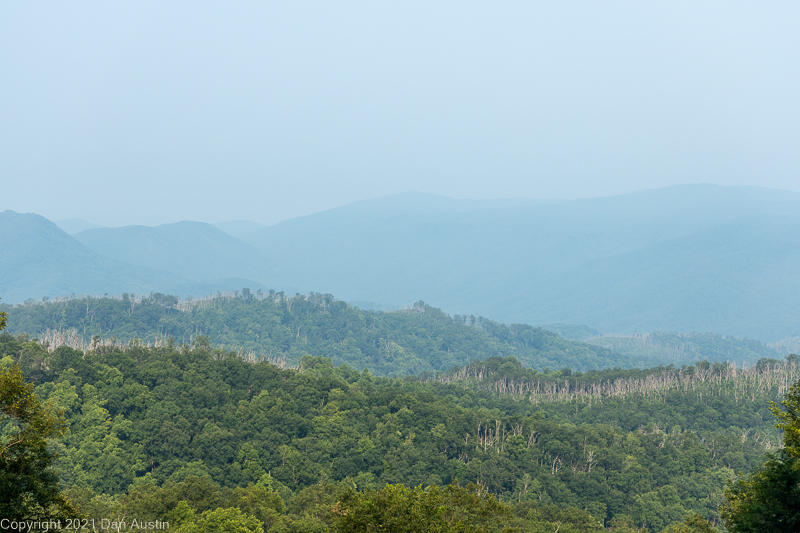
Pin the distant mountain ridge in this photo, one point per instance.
(193, 250)
(238, 228)
(39, 259)
(683, 258)
(75, 225)
(699, 257)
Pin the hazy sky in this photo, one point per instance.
(152, 112)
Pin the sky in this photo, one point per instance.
(151, 112)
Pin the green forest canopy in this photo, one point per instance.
(145, 422)
(415, 340)
(278, 327)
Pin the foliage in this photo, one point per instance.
(701, 397)
(789, 420)
(397, 509)
(542, 518)
(229, 520)
(280, 327)
(692, 524)
(28, 485)
(768, 499)
(193, 428)
(678, 348)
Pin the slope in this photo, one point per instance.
(413, 340)
(40, 260)
(238, 228)
(193, 250)
(75, 225)
(141, 418)
(676, 348)
(698, 257)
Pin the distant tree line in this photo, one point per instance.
(276, 326)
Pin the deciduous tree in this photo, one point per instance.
(768, 500)
(28, 485)
(396, 508)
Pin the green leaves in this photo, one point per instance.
(768, 500)
(28, 485)
(410, 341)
(789, 420)
(230, 520)
(147, 420)
(397, 509)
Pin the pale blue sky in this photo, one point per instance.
(152, 112)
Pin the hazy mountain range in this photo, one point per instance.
(694, 257)
(39, 259)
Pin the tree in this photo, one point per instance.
(396, 508)
(693, 523)
(256, 500)
(229, 520)
(768, 500)
(3, 318)
(28, 485)
(789, 420)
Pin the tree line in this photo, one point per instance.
(276, 326)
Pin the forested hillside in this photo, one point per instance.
(700, 397)
(143, 418)
(279, 327)
(683, 258)
(678, 348)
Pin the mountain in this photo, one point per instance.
(75, 225)
(575, 332)
(694, 257)
(41, 260)
(680, 348)
(192, 250)
(414, 340)
(238, 228)
(684, 258)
